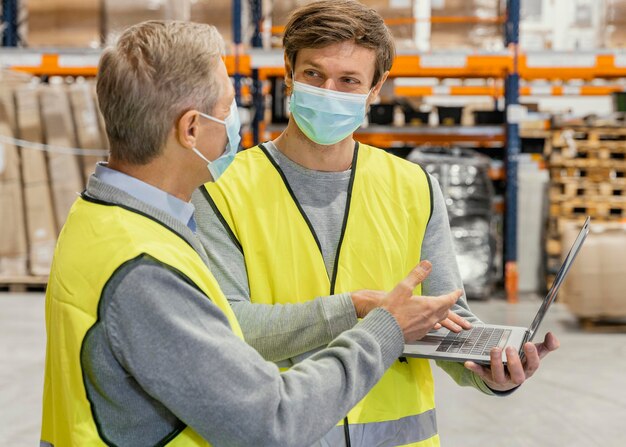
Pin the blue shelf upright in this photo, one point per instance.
(513, 147)
(10, 36)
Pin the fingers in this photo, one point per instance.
(460, 321)
(415, 277)
(550, 343)
(498, 375)
(515, 367)
(481, 371)
(451, 325)
(532, 359)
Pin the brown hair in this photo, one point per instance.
(326, 22)
(155, 72)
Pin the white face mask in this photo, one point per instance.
(233, 126)
(326, 116)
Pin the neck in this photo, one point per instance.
(174, 183)
(298, 148)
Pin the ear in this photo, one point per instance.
(377, 87)
(288, 75)
(187, 129)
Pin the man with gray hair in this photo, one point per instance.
(143, 348)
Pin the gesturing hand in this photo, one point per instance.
(417, 315)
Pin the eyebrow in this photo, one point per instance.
(344, 73)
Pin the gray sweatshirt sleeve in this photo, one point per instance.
(444, 278)
(278, 332)
(179, 348)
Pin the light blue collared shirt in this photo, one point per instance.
(179, 209)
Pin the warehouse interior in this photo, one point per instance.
(516, 107)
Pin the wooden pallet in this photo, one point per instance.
(587, 134)
(21, 284)
(605, 209)
(563, 189)
(600, 150)
(603, 325)
(593, 173)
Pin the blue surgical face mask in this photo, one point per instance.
(233, 126)
(326, 116)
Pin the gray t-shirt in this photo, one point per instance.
(290, 332)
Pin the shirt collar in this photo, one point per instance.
(151, 195)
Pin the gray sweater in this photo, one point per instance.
(162, 357)
(287, 333)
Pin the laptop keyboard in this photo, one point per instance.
(477, 341)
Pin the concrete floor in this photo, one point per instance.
(576, 399)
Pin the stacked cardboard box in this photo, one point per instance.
(64, 23)
(65, 175)
(457, 24)
(37, 188)
(467, 24)
(12, 229)
(87, 125)
(40, 223)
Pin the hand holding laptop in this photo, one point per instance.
(416, 315)
(499, 377)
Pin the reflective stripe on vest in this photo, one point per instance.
(95, 241)
(405, 432)
(387, 211)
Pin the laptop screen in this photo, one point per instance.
(558, 280)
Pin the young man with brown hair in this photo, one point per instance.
(317, 209)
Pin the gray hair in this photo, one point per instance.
(154, 73)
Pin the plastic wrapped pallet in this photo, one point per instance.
(13, 250)
(468, 192)
(595, 284)
(65, 175)
(40, 222)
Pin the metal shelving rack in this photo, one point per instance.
(10, 35)
(511, 73)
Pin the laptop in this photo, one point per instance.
(475, 344)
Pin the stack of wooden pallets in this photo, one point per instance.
(587, 178)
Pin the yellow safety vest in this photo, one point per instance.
(96, 240)
(388, 208)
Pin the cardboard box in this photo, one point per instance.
(65, 175)
(219, 13)
(40, 222)
(595, 284)
(65, 23)
(29, 128)
(454, 25)
(41, 228)
(120, 14)
(12, 228)
(397, 13)
(86, 123)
